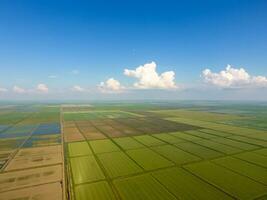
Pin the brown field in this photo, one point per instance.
(30, 177)
(52, 191)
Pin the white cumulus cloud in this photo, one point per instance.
(148, 77)
(42, 88)
(259, 81)
(77, 88)
(18, 90)
(233, 78)
(111, 85)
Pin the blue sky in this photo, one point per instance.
(100, 39)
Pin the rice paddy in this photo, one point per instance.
(31, 156)
(130, 152)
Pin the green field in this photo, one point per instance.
(138, 151)
(234, 184)
(85, 169)
(118, 164)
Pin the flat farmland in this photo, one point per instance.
(85, 169)
(118, 164)
(31, 154)
(236, 185)
(132, 151)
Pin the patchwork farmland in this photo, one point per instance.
(130, 152)
(31, 154)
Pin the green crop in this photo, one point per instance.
(118, 164)
(235, 184)
(148, 159)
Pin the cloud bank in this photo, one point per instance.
(40, 88)
(233, 78)
(18, 90)
(149, 83)
(148, 77)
